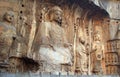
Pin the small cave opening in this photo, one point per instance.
(22, 64)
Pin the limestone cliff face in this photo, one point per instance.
(113, 8)
(83, 22)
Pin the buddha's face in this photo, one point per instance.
(57, 16)
(9, 17)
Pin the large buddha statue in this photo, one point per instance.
(54, 48)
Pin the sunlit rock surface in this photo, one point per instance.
(113, 8)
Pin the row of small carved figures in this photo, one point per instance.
(112, 59)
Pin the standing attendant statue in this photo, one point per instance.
(82, 59)
(7, 35)
(98, 51)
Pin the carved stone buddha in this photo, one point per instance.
(54, 48)
(7, 35)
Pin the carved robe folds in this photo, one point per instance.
(97, 55)
(7, 35)
(82, 55)
(6, 38)
(53, 48)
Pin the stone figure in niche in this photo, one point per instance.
(98, 54)
(81, 56)
(54, 48)
(22, 47)
(7, 35)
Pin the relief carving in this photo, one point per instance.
(97, 54)
(54, 48)
(7, 35)
(57, 36)
(82, 57)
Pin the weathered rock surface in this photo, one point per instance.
(66, 40)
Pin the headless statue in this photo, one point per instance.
(54, 48)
